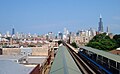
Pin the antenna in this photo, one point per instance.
(13, 26)
(100, 16)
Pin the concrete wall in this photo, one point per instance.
(35, 51)
(40, 50)
(11, 51)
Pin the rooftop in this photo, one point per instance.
(11, 57)
(10, 67)
(36, 59)
(117, 52)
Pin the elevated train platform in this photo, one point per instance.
(85, 60)
(107, 62)
(64, 63)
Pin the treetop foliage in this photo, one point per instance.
(117, 39)
(103, 42)
(74, 45)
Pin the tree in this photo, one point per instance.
(59, 42)
(74, 45)
(117, 39)
(102, 42)
(8, 38)
(31, 45)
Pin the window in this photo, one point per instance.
(105, 60)
(112, 63)
(100, 57)
(118, 65)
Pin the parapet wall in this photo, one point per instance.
(11, 51)
(40, 50)
(43, 51)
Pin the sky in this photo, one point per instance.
(43, 16)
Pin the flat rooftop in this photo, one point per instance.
(10, 57)
(10, 67)
(36, 59)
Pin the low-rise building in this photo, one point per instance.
(81, 40)
(10, 67)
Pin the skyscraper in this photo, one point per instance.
(107, 30)
(100, 28)
(13, 31)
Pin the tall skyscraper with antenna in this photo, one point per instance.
(107, 30)
(13, 30)
(100, 28)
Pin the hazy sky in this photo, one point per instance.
(42, 16)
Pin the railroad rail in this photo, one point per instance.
(84, 66)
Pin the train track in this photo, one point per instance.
(82, 65)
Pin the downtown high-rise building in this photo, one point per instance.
(13, 31)
(100, 28)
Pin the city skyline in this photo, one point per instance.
(53, 16)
